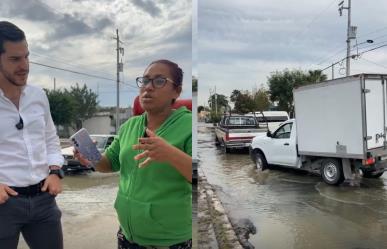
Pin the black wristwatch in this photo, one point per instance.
(58, 172)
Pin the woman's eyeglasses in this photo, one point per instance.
(158, 82)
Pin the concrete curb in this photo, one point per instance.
(215, 214)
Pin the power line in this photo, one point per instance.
(62, 61)
(71, 71)
(371, 45)
(327, 58)
(372, 49)
(313, 20)
(373, 32)
(80, 73)
(372, 62)
(355, 47)
(358, 55)
(338, 52)
(379, 37)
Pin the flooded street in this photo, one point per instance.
(293, 209)
(88, 216)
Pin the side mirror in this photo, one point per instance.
(268, 133)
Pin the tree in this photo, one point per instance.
(200, 108)
(217, 101)
(261, 100)
(235, 95)
(194, 84)
(281, 86)
(85, 103)
(243, 101)
(315, 76)
(62, 106)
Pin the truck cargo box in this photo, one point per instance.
(344, 118)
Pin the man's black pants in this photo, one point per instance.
(36, 216)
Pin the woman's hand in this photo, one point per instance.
(83, 160)
(155, 149)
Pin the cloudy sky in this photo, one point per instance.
(241, 42)
(77, 35)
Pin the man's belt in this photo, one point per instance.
(31, 190)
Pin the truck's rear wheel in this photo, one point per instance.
(332, 171)
(371, 174)
(217, 143)
(224, 148)
(260, 161)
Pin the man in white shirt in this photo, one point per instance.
(30, 157)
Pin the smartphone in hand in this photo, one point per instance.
(85, 145)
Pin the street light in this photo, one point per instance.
(367, 41)
(357, 48)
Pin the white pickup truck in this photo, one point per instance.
(341, 128)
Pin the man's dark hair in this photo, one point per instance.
(176, 71)
(9, 32)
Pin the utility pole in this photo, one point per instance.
(119, 69)
(351, 34)
(333, 71)
(216, 102)
(54, 84)
(212, 102)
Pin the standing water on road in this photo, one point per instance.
(293, 209)
(88, 216)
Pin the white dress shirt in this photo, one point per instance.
(26, 154)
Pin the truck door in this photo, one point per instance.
(375, 105)
(283, 149)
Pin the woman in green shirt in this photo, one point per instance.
(152, 153)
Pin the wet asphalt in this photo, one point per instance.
(294, 209)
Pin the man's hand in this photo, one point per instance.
(5, 192)
(52, 184)
(155, 149)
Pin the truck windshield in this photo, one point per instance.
(241, 121)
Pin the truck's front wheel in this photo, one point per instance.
(332, 171)
(260, 161)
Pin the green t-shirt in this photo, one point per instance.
(154, 203)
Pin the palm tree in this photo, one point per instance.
(315, 76)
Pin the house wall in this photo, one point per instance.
(99, 125)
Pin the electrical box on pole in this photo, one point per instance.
(352, 32)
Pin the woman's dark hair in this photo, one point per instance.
(176, 71)
(9, 32)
